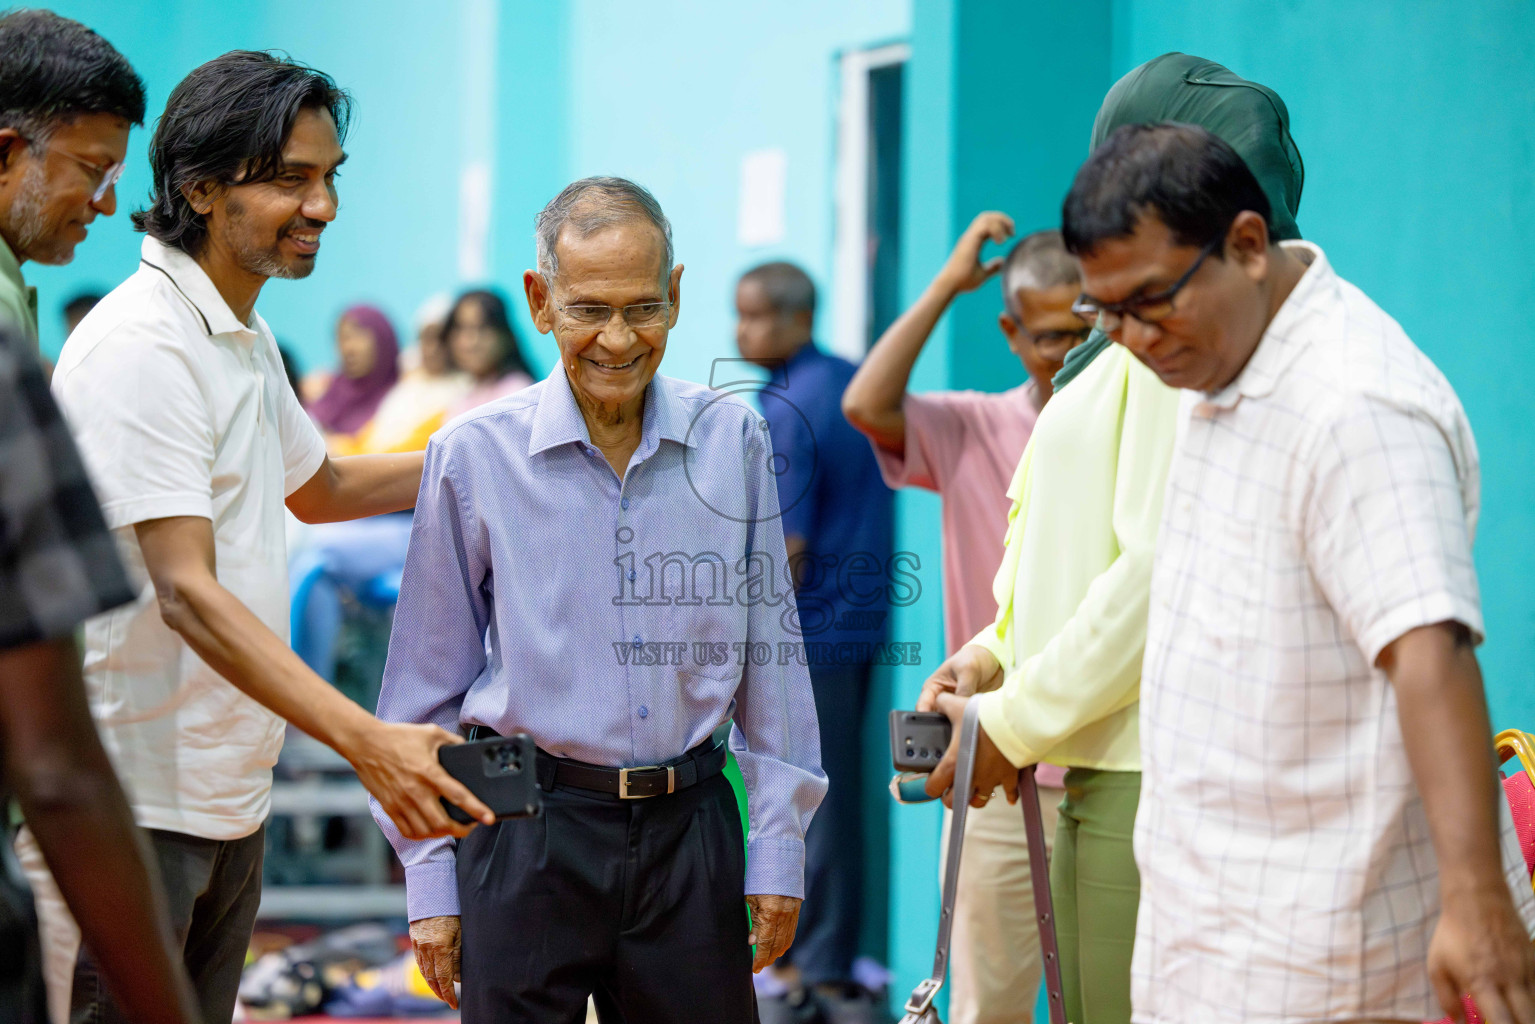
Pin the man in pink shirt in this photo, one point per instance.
(966, 446)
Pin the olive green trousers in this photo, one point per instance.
(1096, 889)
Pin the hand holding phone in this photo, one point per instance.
(918, 739)
(501, 771)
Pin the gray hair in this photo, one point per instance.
(591, 204)
(787, 287)
(1038, 261)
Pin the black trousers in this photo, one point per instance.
(827, 939)
(213, 890)
(638, 903)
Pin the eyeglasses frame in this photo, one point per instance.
(108, 176)
(623, 312)
(1089, 308)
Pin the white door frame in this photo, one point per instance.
(850, 248)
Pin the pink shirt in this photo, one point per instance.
(966, 445)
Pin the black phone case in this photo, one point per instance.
(918, 739)
(501, 771)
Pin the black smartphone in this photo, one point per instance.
(501, 771)
(918, 739)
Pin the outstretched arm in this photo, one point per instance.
(355, 486)
(397, 763)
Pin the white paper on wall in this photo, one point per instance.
(760, 216)
(474, 221)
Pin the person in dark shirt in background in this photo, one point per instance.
(837, 522)
(76, 308)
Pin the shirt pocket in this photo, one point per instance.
(1230, 589)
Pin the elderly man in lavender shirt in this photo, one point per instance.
(598, 561)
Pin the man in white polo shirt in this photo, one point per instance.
(176, 393)
(1321, 834)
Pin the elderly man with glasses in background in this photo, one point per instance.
(563, 541)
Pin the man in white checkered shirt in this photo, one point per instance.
(1321, 833)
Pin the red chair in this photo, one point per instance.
(1519, 788)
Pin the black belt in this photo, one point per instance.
(702, 762)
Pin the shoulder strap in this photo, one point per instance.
(1044, 907)
(1039, 869)
(964, 774)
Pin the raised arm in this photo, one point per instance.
(872, 401)
(396, 763)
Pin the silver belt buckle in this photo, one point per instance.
(623, 782)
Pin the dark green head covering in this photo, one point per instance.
(1251, 118)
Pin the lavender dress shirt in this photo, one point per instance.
(619, 622)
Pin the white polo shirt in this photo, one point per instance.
(181, 410)
(1318, 507)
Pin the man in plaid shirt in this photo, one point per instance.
(58, 567)
(1321, 835)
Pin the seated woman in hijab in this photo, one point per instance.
(369, 368)
(419, 403)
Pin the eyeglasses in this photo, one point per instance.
(1148, 309)
(641, 314)
(105, 177)
(1055, 340)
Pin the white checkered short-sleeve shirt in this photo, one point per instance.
(1318, 507)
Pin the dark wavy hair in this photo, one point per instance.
(55, 69)
(227, 122)
(493, 308)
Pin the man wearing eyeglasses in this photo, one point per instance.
(574, 573)
(1060, 669)
(1320, 792)
(67, 101)
(965, 445)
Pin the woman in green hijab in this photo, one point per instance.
(1251, 118)
(1063, 658)
(1095, 910)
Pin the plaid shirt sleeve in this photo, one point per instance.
(58, 562)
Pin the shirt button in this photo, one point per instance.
(644, 711)
(624, 503)
(637, 641)
(631, 574)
